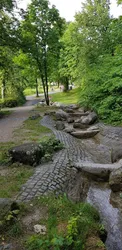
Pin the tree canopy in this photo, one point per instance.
(87, 51)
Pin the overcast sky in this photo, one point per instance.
(68, 8)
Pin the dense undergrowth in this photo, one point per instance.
(102, 89)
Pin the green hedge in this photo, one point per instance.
(12, 102)
(9, 102)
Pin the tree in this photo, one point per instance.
(69, 55)
(41, 31)
(28, 69)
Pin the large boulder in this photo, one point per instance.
(116, 153)
(60, 125)
(61, 115)
(70, 120)
(95, 170)
(70, 106)
(80, 125)
(69, 130)
(89, 119)
(85, 134)
(115, 180)
(28, 153)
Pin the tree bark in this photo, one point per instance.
(3, 89)
(66, 84)
(37, 88)
(46, 79)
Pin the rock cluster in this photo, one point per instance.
(76, 121)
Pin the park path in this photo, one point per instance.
(15, 119)
(18, 116)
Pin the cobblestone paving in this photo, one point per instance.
(53, 176)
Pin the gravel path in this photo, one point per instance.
(15, 119)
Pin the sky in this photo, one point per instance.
(68, 8)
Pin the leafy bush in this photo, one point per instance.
(9, 103)
(102, 88)
(15, 100)
(49, 147)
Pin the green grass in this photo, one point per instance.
(11, 182)
(68, 224)
(31, 130)
(70, 97)
(4, 147)
(32, 91)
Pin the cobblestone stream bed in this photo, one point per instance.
(55, 176)
(58, 177)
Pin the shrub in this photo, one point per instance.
(9, 103)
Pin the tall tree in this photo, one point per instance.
(69, 55)
(41, 31)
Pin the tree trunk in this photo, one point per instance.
(37, 88)
(3, 89)
(46, 80)
(66, 84)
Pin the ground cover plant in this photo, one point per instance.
(68, 225)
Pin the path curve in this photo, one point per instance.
(15, 119)
(55, 176)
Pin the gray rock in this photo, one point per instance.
(52, 112)
(69, 130)
(115, 180)
(34, 117)
(28, 153)
(40, 229)
(78, 188)
(70, 106)
(84, 134)
(68, 110)
(70, 120)
(61, 115)
(116, 153)
(89, 119)
(80, 125)
(95, 170)
(60, 125)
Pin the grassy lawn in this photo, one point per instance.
(32, 91)
(70, 97)
(12, 178)
(31, 130)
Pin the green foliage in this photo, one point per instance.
(50, 145)
(79, 219)
(9, 102)
(40, 32)
(12, 102)
(102, 88)
(11, 182)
